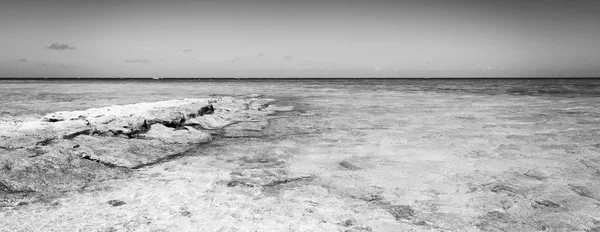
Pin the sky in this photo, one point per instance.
(307, 38)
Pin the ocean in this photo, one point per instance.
(384, 154)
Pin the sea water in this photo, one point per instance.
(391, 154)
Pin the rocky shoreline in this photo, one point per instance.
(65, 151)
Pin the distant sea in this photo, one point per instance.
(44, 95)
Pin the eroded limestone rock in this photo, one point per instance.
(66, 150)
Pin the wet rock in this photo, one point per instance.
(287, 180)
(264, 178)
(582, 191)
(349, 166)
(491, 220)
(185, 213)
(279, 108)
(116, 203)
(372, 197)
(502, 188)
(542, 204)
(245, 129)
(22, 203)
(359, 229)
(401, 212)
(261, 161)
(348, 223)
(537, 175)
(593, 229)
(592, 165)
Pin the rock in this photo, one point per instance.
(172, 136)
(57, 169)
(185, 213)
(582, 191)
(122, 152)
(66, 150)
(279, 108)
(210, 122)
(116, 203)
(493, 221)
(542, 204)
(401, 212)
(192, 122)
(9, 124)
(33, 133)
(22, 203)
(537, 175)
(348, 223)
(209, 109)
(245, 129)
(360, 229)
(594, 229)
(349, 166)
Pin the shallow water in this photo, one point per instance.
(517, 155)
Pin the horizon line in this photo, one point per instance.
(275, 78)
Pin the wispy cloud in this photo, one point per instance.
(144, 61)
(65, 66)
(484, 68)
(287, 57)
(59, 46)
(236, 60)
(23, 60)
(261, 55)
(187, 51)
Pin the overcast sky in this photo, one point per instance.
(303, 38)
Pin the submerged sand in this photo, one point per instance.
(419, 162)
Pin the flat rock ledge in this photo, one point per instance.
(65, 151)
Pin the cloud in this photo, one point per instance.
(187, 50)
(378, 69)
(23, 60)
(484, 68)
(58, 46)
(287, 57)
(236, 60)
(144, 61)
(65, 66)
(261, 55)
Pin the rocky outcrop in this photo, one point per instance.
(66, 150)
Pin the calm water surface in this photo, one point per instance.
(461, 153)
